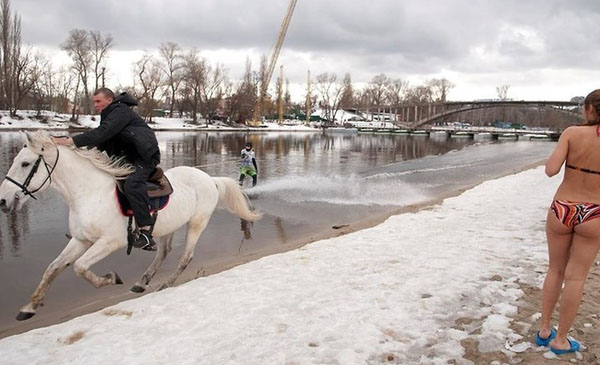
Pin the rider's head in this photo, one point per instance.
(102, 98)
(248, 146)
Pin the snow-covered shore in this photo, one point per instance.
(52, 121)
(389, 293)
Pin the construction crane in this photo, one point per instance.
(272, 61)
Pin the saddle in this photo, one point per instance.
(159, 190)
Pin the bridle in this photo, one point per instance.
(24, 187)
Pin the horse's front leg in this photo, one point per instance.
(99, 250)
(74, 249)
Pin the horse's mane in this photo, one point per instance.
(115, 167)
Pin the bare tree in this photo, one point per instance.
(172, 68)
(33, 82)
(331, 92)
(212, 90)
(419, 94)
(347, 100)
(243, 100)
(62, 86)
(502, 91)
(195, 76)
(7, 64)
(396, 93)
(287, 98)
(377, 90)
(440, 89)
(43, 90)
(76, 99)
(12, 58)
(99, 45)
(310, 99)
(78, 48)
(263, 99)
(228, 95)
(149, 75)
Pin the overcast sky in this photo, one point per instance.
(544, 49)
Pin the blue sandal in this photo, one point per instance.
(574, 347)
(544, 341)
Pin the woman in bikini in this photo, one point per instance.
(572, 229)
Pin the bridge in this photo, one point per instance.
(417, 115)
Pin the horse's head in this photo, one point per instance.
(30, 171)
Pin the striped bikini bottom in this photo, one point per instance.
(571, 214)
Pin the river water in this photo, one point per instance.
(308, 182)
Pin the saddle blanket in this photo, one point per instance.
(126, 210)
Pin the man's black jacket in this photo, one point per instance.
(122, 132)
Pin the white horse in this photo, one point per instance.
(86, 179)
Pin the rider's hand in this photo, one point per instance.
(68, 141)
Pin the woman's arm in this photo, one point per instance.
(559, 155)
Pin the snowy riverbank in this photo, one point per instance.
(394, 292)
(52, 121)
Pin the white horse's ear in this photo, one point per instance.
(27, 137)
(44, 139)
(37, 140)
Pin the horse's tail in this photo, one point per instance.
(232, 198)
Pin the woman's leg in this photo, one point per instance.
(559, 244)
(586, 243)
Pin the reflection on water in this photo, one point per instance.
(18, 224)
(246, 228)
(15, 225)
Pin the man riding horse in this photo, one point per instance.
(123, 133)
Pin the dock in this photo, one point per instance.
(470, 132)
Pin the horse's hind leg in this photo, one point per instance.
(99, 250)
(74, 249)
(164, 247)
(193, 234)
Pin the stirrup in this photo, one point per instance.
(144, 241)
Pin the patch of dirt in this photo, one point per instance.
(73, 338)
(116, 312)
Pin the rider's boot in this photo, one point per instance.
(242, 180)
(254, 181)
(144, 240)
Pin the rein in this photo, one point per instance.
(36, 165)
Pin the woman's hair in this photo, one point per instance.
(593, 99)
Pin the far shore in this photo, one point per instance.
(191, 129)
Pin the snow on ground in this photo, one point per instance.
(28, 119)
(392, 290)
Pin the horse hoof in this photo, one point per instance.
(22, 316)
(137, 289)
(115, 278)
